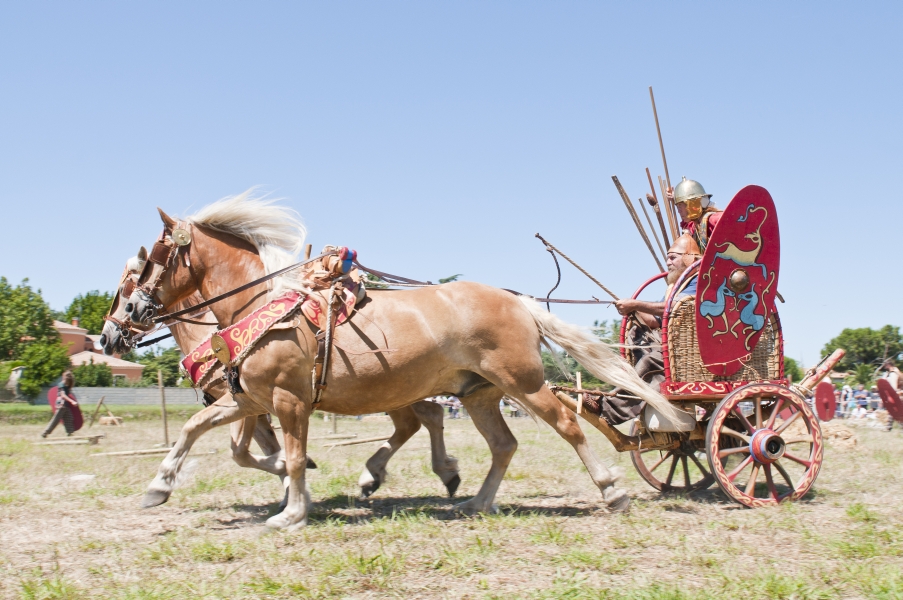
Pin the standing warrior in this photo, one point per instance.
(892, 374)
(698, 216)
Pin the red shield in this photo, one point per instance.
(76, 411)
(738, 278)
(891, 400)
(825, 404)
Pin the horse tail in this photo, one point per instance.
(598, 358)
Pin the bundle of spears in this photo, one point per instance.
(665, 205)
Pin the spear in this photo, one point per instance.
(653, 202)
(654, 234)
(672, 218)
(636, 221)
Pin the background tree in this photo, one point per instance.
(90, 310)
(93, 374)
(24, 318)
(865, 346)
(45, 361)
(864, 374)
(163, 360)
(792, 370)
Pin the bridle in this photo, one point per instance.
(161, 258)
(149, 280)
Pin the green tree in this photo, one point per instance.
(93, 374)
(450, 279)
(24, 319)
(864, 374)
(44, 362)
(792, 370)
(865, 346)
(163, 360)
(90, 310)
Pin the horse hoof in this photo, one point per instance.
(452, 485)
(310, 463)
(281, 521)
(471, 508)
(368, 489)
(154, 498)
(617, 500)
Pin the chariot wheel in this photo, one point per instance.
(764, 445)
(681, 470)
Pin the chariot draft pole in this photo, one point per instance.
(636, 221)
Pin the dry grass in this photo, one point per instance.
(65, 537)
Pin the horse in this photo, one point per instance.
(407, 421)
(462, 338)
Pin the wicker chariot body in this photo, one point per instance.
(754, 434)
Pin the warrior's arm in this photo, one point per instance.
(628, 305)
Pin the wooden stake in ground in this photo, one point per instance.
(163, 407)
(334, 423)
(579, 396)
(96, 411)
(355, 442)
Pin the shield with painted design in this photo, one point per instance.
(738, 278)
(891, 400)
(825, 404)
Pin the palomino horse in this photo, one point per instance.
(471, 340)
(407, 421)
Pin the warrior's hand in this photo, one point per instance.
(626, 306)
(669, 194)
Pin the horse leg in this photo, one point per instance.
(552, 411)
(432, 416)
(483, 407)
(258, 428)
(294, 414)
(214, 415)
(406, 425)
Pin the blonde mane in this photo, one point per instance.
(276, 231)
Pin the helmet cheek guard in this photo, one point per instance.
(694, 208)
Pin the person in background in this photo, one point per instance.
(892, 374)
(66, 407)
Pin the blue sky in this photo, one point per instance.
(437, 138)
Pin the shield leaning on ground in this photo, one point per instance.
(891, 400)
(825, 404)
(738, 279)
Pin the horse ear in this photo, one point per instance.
(142, 253)
(168, 222)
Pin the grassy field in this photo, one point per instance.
(22, 414)
(71, 526)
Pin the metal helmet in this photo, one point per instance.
(694, 195)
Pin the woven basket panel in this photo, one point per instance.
(683, 349)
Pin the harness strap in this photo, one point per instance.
(389, 277)
(247, 286)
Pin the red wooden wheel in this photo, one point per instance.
(681, 470)
(775, 448)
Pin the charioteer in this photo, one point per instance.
(644, 336)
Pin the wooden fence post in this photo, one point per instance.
(163, 407)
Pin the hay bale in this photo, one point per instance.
(111, 421)
(840, 435)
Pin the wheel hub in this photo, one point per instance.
(766, 446)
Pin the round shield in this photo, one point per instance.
(825, 404)
(52, 395)
(738, 279)
(891, 400)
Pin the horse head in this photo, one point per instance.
(151, 282)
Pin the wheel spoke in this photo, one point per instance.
(796, 459)
(788, 422)
(671, 472)
(661, 460)
(770, 482)
(799, 440)
(734, 433)
(684, 462)
(751, 484)
(774, 413)
(729, 451)
(784, 474)
(743, 420)
(758, 402)
(733, 474)
(699, 466)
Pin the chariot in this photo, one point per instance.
(748, 428)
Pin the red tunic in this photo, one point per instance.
(711, 220)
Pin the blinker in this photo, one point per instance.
(181, 237)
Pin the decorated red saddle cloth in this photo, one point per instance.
(241, 337)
